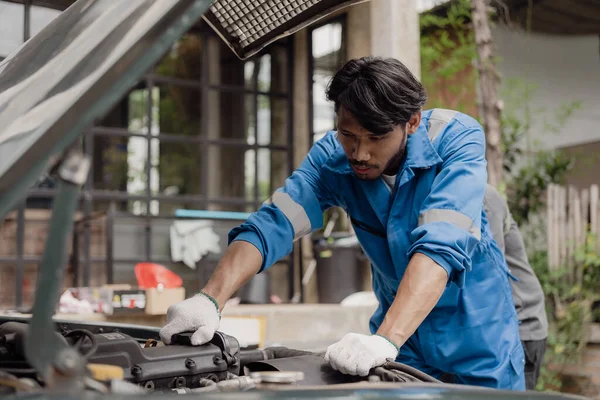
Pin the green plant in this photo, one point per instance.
(526, 187)
(570, 292)
(529, 168)
(448, 51)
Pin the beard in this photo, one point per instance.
(391, 167)
(396, 161)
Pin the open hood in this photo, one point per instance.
(71, 73)
(74, 71)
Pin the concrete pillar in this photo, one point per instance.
(395, 32)
(358, 30)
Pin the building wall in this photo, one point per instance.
(540, 75)
(564, 69)
(586, 164)
(395, 31)
(558, 70)
(358, 30)
(459, 90)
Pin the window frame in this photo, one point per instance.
(89, 196)
(342, 20)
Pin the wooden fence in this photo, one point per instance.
(571, 216)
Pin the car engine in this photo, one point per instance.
(133, 359)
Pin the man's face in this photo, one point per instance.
(371, 155)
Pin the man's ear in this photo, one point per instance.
(413, 123)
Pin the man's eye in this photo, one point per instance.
(377, 138)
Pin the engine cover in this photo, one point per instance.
(173, 366)
(151, 365)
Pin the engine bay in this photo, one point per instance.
(130, 359)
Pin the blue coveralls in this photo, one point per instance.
(436, 208)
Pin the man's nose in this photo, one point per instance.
(361, 152)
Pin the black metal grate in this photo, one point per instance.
(249, 25)
(250, 21)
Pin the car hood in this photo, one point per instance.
(73, 72)
(79, 66)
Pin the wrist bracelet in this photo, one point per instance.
(389, 341)
(214, 301)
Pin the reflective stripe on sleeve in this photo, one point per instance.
(450, 216)
(294, 212)
(438, 119)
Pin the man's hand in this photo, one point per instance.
(357, 354)
(199, 314)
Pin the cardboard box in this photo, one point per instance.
(145, 301)
(128, 300)
(159, 301)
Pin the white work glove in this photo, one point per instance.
(357, 354)
(199, 314)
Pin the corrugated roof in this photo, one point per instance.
(572, 17)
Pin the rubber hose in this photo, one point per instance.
(284, 352)
(393, 376)
(393, 365)
(250, 356)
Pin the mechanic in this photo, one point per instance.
(413, 184)
(528, 295)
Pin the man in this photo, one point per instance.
(413, 184)
(527, 290)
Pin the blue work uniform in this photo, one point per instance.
(435, 208)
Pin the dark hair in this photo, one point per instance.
(380, 93)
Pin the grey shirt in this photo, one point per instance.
(527, 291)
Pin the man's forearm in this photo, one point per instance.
(238, 265)
(420, 289)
